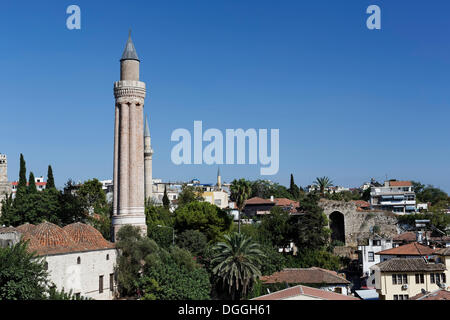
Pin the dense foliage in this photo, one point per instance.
(22, 275)
(204, 217)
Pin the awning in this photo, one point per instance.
(386, 197)
(370, 294)
(411, 208)
(399, 197)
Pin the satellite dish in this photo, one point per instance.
(423, 291)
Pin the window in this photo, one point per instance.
(78, 260)
(432, 278)
(420, 278)
(371, 256)
(376, 242)
(405, 278)
(394, 279)
(100, 284)
(443, 278)
(338, 290)
(395, 296)
(107, 257)
(111, 282)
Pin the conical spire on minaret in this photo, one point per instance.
(130, 52)
(147, 130)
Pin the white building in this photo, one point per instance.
(77, 257)
(39, 181)
(368, 257)
(395, 196)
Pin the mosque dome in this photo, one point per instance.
(87, 236)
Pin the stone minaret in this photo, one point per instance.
(128, 206)
(148, 153)
(219, 179)
(5, 186)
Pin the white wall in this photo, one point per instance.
(83, 278)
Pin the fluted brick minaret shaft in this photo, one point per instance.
(148, 153)
(128, 205)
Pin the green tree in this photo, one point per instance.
(134, 249)
(32, 184)
(293, 188)
(194, 241)
(276, 227)
(310, 228)
(165, 199)
(22, 185)
(189, 194)
(204, 217)
(240, 191)
(92, 196)
(236, 263)
(50, 179)
(323, 183)
(71, 205)
(22, 275)
(174, 275)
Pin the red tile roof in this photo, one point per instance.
(410, 249)
(258, 200)
(361, 203)
(440, 294)
(49, 239)
(285, 202)
(312, 275)
(305, 291)
(24, 228)
(87, 236)
(400, 183)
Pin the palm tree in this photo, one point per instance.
(240, 191)
(236, 262)
(323, 183)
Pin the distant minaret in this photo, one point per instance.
(5, 186)
(219, 179)
(148, 153)
(128, 205)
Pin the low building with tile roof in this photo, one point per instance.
(410, 250)
(301, 292)
(322, 278)
(77, 257)
(402, 278)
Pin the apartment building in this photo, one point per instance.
(396, 196)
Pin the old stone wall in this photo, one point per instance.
(358, 223)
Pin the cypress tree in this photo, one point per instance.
(22, 185)
(293, 188)
(50, 179)
(165, 199)
(31, 184)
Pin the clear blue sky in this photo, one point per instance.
(350, 103)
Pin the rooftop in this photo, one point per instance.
(291, 293)
(312, 275)
(439, 294)
(400, 183)
(410, 249)
(409, 265)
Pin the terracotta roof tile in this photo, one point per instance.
(305, 291)
(87, 236)
(443, 251)
(440, 294)
(312, 275)
(48, 239)
(400, 183)
(410, 249)
(409, 265)
(24, 228)
(258, 200)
